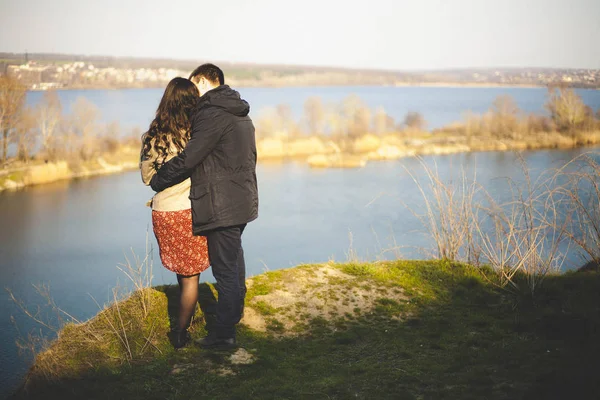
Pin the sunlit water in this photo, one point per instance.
(72, 235)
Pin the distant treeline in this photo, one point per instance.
(46, 133)
(351, 118)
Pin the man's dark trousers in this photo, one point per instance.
(229, 269)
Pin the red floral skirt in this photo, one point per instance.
(180, 251)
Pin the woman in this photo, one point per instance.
(180, 251)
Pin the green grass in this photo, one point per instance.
(15, 176)
(460, 337)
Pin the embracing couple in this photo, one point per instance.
(199, 155)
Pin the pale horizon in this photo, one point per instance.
(380, 35)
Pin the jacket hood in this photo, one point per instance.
(226, 98)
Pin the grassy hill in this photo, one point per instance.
(386, 330)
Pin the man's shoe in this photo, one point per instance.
(213, 342)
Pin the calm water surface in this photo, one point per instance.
(72, 235)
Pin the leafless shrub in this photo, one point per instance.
(267, 123)
(525, 234)
(110, 141)
(48, 116)
(504, 117)
(288, 126)
(39, 313)
(24, 135)
(133, 138)
(414, 121)
(351, 254)
(314, 115)
(355, 117)
(447, 212)
(12, 102)
(538, 123)
(382, 122)
(582, 193)
(84, 126)
(566, 108)
(139, 273)
(472, 126)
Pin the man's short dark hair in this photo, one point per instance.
(210, 72)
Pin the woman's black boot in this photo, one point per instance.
(179, 338)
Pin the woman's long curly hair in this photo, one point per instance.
(171, 127)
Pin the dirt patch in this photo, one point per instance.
(241, 357)
(224, 371)
(222, 365)
(178, 368)
(254, 320)
(323, 292)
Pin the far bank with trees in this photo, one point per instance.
(44, 144)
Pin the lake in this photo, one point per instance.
(72, 235)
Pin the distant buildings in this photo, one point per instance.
(78, 74)
(38, 75)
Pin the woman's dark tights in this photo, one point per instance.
(188, 287)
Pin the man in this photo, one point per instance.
(220, 157)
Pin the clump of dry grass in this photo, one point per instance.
(447, 213)
(582, 194)
(526, 234)
(132, 326)
(122, 332)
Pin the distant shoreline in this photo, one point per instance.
(447, 85)
(40, 173)
(47, 71)
(476, 85)
(386, 149)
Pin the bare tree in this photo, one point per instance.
(589, 123)
(84, 124)
(267, 123)
(277, 122)
(382, 122)
(538, 123)
(472, 126)
(48, 115)
(504, 116)
(314, 114)
(25, 135)
(566, 109)
(355, 116)
(335, 122)
(287, 124)
(111, 139)
(133, 139)
(414, 121)
(361, 122)
(12, 101)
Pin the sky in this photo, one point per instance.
(377, 34)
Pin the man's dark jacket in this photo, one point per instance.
(220, 157)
